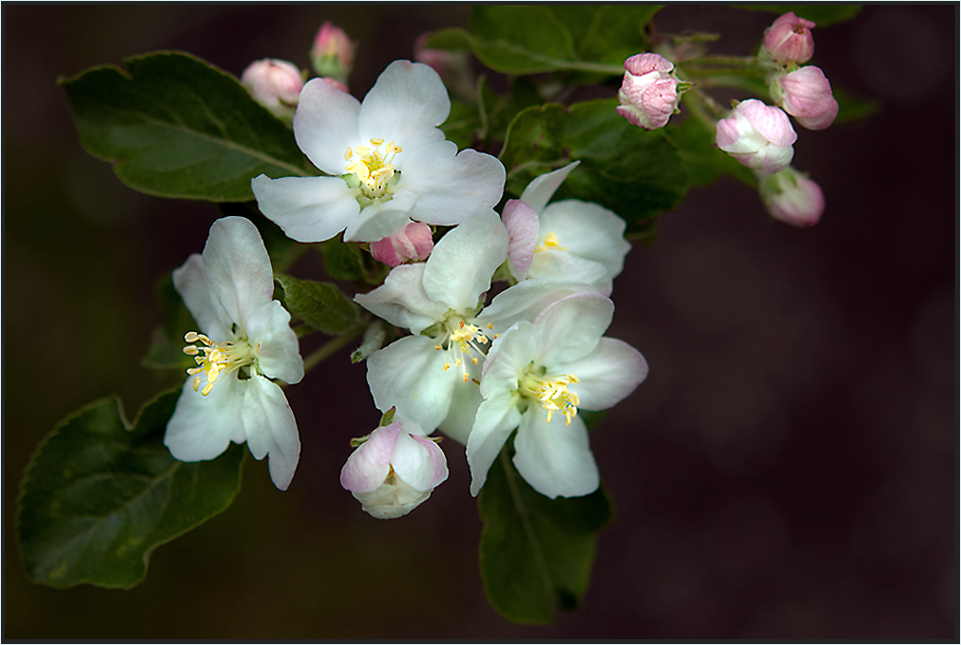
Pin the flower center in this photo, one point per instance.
(215, 359)
(372, 168)
(550, 242)
(551, 394)
(461, 339)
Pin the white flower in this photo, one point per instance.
(570, 239)
(440, 302)
(388, 160)
(536, 378)
(394, 471)
(246, 343)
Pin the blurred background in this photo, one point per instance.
(789, 470)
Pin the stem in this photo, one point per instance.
(738, 61)
(709, 101)
(330, 347)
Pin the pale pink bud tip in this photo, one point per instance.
(806, 95)
(789, 39)
(333, 52)
(275, 84)
(649, 92)
(411, 244)
(758, 135)
(792, 198)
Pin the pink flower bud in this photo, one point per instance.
(791, 197)
(333, 53)
(789, 39)
(453, 67)
(649, 92)
(806, 95)
(758, 135)
(393, 471)
(411, 244)
(275, 84)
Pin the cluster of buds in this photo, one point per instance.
(650, 91)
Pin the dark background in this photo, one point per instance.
(788, 470)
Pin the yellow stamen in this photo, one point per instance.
(373, 169)
(552, 395)
(215, 359)
(550, 242)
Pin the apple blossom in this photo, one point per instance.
(393, 471)
(759, 136)
(789, 39)
(275, 84)
(806, 95)
(791, 197)
(246, 346)
(536, 378)
(332, 54)
(412, 243)
(389, 163)
(649, 93)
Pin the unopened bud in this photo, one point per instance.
(333, 53)
(759, 136)
(789, 39)
(649, 93)
(275, 84)
(413, 243)
(806, 95)
(791, 197)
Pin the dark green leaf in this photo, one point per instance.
(343, 260)
(167, 343)
(821, 14)
(535, 553)
(461, 125)
(176, 126)
(319, 304)
(854, 109)
(99, 495)
(606, 33)
(704, 162)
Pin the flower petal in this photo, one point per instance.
(465, 400)
(308, 209)
(542, 188)
(368, 466)
(419, 461)
(522, 226)
(526, 300)
(607, 375)
(325, 125)
(381, 219)
(405, 105)
(271, 429)
(275, 343)
(190, 280)
(589, 231)
(555, 459)
(402, 301)
(554, 263)
(496, 419)
(572, 327)
(202, 427)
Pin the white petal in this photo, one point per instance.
(572, 327)
(368, 466)
(588, 230)
(409, 374)
(542, 188)
(419, 461)
(554, 263)
(381, 219)
(402, 301)
(325, 125)
(509, 357)
(406, 103)
(465, 400)
(190, 281)
(271, 429)
(275, 343)
(237, 268)
(308, 209)
(555, 459)
(202, 427)
(523, 227)
(607, 375)
(451, 188)
(461, 265)
(496, 419)
(526, 300)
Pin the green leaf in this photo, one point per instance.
(99, 495)
(853, 109)
(704, 162)
(607, 33)
(176, 126)
(461, 125)
(823, 15)
(167, 343)
(319, 304)
(634, 172)
(535, 553)
(343, 260)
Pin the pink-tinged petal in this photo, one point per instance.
(419, 461)
(554, 458)
(770, 121)
(409, 374)
(275, 343)
(402, 301)
(368, 466)
(727, 133)
(405, 105)
(464, 260)
(572, 327)
(450, 188)
(542, 187)
(325, 125)
(589, 231)
(308, 209)
(526, 300)
(647, 62)
(607, 375)
(271, 429)
(412, 243)
(522, 226)
(496, 419)
(191, 283)
(238, 268)
(202, 427)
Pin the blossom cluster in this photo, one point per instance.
(474, 366)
